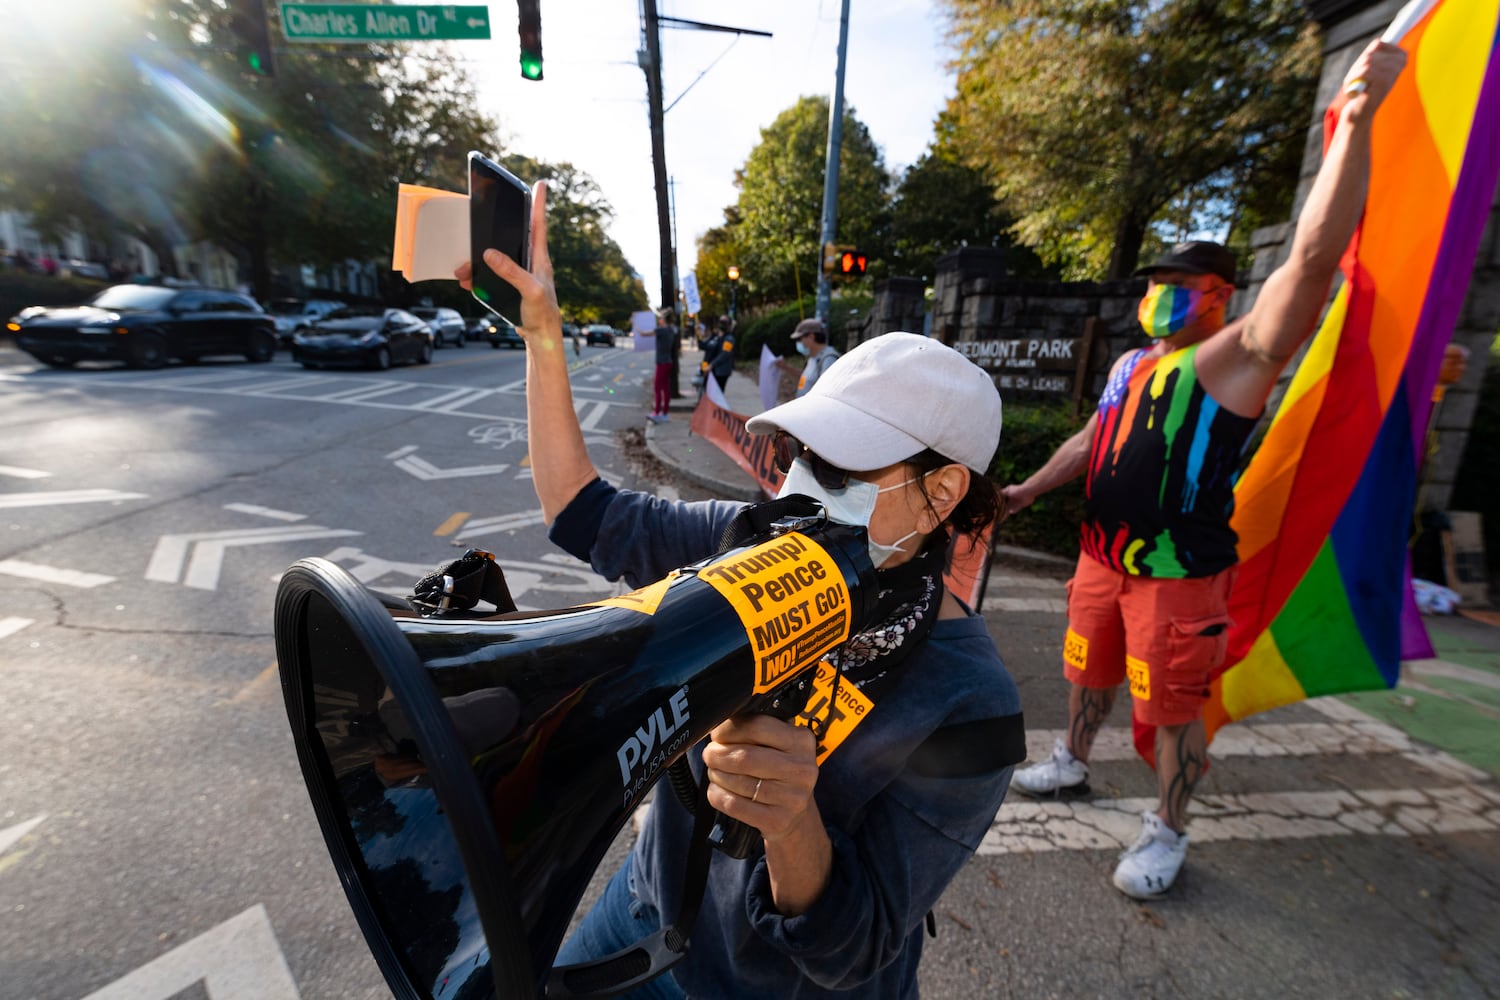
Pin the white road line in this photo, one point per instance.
(365, 392)
(1049, 605)
(208, 549)
(1023, 826)
(1452, 671)
(1294, 739)
(239, 959)
(11, 834)
(51, 574)
(1027, 582)
(20, 473)
(11, 625)
(506, 522)
(10, 501)
(271, 512)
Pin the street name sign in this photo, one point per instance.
(360, 23)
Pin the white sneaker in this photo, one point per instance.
(1061, 775)
(1148, 869)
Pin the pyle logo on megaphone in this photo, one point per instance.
(636, 751)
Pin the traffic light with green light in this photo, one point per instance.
(531, 39)
(251, 34)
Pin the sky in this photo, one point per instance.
(590, 109)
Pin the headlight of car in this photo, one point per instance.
(373, 337)
(300, 338)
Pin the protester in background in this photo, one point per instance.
(666, 343)
(1148, 600)
(811, 340)
(718, 353)
(854, 852)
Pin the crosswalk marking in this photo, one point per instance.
(52, 574)
(1024, 826)
(379, 393)
(1048, 605)
(10, 625)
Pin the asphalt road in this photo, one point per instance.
(156, 840)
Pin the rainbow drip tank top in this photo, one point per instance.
(1162, 471)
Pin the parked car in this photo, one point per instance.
(599, 335)
(364, 335)
(80, 268)
(146, 326)
(446, 324)
(498, 331)
(295, 315)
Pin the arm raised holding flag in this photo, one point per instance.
(1149, 600)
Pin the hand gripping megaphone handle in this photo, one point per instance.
(733, 837)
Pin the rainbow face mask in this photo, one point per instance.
(1169, 309)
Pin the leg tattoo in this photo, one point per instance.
(1088, 708)
(1181, 759)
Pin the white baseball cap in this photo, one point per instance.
(891, 398)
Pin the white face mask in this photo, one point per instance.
(802, 348)
(851, 505)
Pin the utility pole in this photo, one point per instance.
(650, 61)
(831, 169)
(659, 154)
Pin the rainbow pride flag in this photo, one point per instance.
(1323, 602)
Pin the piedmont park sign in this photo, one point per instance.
(1034, 364)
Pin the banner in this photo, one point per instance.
(690, 294)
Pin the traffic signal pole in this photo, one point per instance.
(831, 168)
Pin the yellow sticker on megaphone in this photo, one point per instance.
(790, 595)
(645, 600)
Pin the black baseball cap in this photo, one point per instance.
(1194, 257)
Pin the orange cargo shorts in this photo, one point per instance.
(1166, 637)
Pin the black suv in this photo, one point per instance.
(146, 326)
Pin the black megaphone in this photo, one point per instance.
(470, 772)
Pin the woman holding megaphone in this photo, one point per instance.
(862, 829)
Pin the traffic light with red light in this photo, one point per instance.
(852, 263)
(531, 38)
(251, 34)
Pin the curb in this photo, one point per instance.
(727, 490)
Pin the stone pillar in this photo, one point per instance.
(963, 275)
(900, 304)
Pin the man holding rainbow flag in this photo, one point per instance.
(1150, 599)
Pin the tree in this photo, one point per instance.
(943, 204)
(1091, 116)
(780, 206)
(717, 252)
(165, 139)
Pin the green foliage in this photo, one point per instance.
(777, 224)
(774, 328)
(166, 140)
(1092, 116)
(943, 204)
(1032, 432)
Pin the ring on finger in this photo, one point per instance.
(756, 794)
(1358, 85)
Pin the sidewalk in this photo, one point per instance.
(674, 444)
